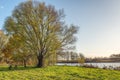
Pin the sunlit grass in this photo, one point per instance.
(59, 73)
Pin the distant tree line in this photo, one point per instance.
(111, 58)
(70, 57)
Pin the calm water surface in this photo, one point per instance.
(100, 65)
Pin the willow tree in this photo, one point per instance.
(42, 27)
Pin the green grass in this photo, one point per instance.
(58, 73)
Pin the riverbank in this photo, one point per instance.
(59, 73)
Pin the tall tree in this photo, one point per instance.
(3, 41)
(42, 28)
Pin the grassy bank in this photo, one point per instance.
(59, 73)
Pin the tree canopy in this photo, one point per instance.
(41, 29)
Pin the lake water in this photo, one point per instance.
(100, 65)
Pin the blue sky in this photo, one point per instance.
(99, 22)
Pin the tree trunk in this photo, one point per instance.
(15, 66)
(10, 67)
(40, 61)
(24, 63)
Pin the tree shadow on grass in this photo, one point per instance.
(6, 68)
